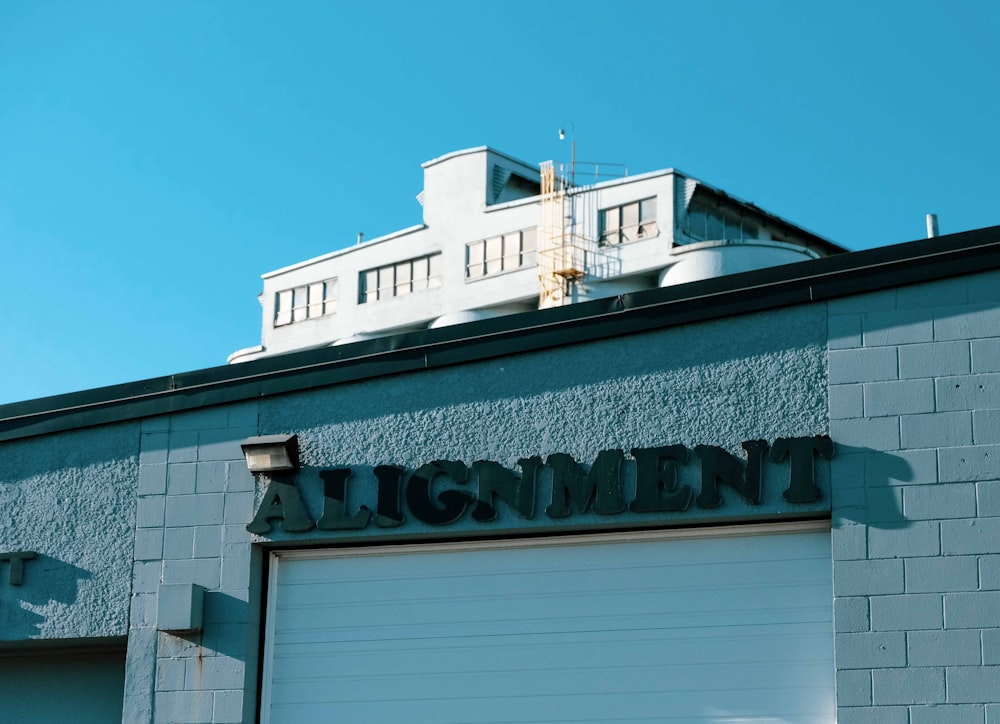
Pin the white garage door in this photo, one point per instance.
(652, 628)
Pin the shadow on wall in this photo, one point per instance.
(867, 487)
(225, 622)
(47, 585)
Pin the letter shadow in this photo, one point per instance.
(46, 579)
(867, 486)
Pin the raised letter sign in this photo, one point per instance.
(281, 502)
(656, 486)
(16, 559)
(387, 509)
(496, 480)
(802, 465)
(335, 515)
(453, 502)
(571, 485)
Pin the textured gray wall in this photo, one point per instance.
(71, 498)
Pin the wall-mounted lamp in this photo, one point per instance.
(271, 453)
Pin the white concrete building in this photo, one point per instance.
(500, 236)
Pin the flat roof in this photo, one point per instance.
(775, 287)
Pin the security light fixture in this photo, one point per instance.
(271, 453)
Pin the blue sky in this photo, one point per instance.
(157, 157)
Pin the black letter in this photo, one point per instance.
(387, 512)
(517, 492)
(281, 502)
(802, 474)
(570, 485)
(656, 474)
(335, 503)
(418, 492)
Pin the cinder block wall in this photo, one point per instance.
(915, 411)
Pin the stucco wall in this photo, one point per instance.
(70, 498)
(914, 408)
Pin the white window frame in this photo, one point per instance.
(306, 301)
(399, 278)
(501, 253)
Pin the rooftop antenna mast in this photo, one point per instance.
(572, 151)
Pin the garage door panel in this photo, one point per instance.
(728, 629)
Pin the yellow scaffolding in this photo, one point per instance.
(561, 260)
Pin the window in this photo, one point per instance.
(707, 223)
(305, 302)
(399, 279)
(500, 253)
(628, 222)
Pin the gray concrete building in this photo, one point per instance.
(767, 496)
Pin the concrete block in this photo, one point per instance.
(993, 714)
(148, 544)
(900, 326)
(966, 322)
(181, 479)
(879, 301)
(203, 571)
(850, 615)
(204, 418)
(921, 538)
(911, 685)
(989, 573)
(983, 287)
(140, 675)
(207, 541)
(934, 360)
(968, 392)
(939, 293)
(904, 467)
(236, 571)
(235, 534)
(988, 499)
(183, 446)
(898, 397)
(152, 479)
(153, 447)
(870, 650)
(978, 609)
(849, 498)
(178, 543)
(184, 706)
(968, 537)
(849, 542)
(885, 506)
(941, 574)
(214, 672)
(227, 607)
(228, 707)
(972, 684)
(169, 646)
(967, 464)
(149, 512)
(960, 647)
(947, 714)
(986, 355)
(909, 612)
(991, 647)
(944, 500)
(170, 674)
(939, 429)
(876, 364)
(142, 610)
(239, 508)
(985, 427)
(160, 423)
(846, 401)
(239, 479)
(223, 444)
(210, 477)
(844, 331)
(191, 510)
(146, 576)
(880, 433)
(867, 578)
(854, 687)
(873, 715)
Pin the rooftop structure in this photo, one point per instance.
(500, 236)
